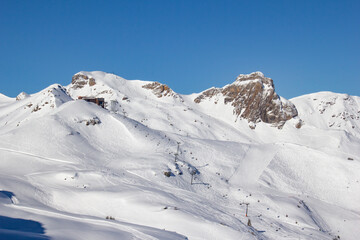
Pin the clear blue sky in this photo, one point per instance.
(304, 45)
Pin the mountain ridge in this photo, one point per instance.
(247, 103)
(152, 163)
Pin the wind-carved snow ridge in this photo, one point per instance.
(254, 98)
(54, 96)
(51, 97)
(36, 105)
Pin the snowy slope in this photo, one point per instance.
(68, 165)
(327, 110)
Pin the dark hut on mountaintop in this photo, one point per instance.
(98, 101)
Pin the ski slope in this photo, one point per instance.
(70, 169)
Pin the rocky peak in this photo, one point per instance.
(254, 98)
(79, 80)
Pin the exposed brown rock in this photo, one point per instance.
(37, 108)
(207, 94)
(92, 82)
(299, 124)
(160, 90)
(80, 80)
(254, 98)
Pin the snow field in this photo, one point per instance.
(72, 165)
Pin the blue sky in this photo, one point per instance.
(305, 46)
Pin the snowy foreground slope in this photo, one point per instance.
(70, 169)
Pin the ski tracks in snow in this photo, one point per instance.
(316, 218)
(36, 156)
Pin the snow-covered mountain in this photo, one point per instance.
(155, 164)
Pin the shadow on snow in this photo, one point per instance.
(17, 228)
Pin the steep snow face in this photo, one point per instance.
(253, 98)
(327, 110)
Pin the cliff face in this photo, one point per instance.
(254, 98)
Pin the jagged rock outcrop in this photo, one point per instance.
(80, 80)
(160, 90)
(254, 98)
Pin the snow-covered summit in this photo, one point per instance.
(252, 76)
(37, 105)
(328, 110)
(115, 88)
(83, 79)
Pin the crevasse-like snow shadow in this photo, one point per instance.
(17, 228)
(6, 194)
(7, 197)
